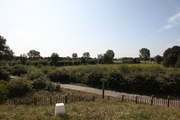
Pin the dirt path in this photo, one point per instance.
(95, 90)
(140, 98)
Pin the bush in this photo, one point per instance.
(20, 87)
(41, 83)
(34, 74)
(4, 89)
(45, 83)
(93, 78)
(19, 69)
(57, 75)
(43, 62)
(4, 74)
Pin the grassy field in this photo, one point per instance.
(100, 109)
(117, 63)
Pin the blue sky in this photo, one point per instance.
(94, 26)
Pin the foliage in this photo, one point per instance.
(23, 58)
(43, 62)
(158, 59)
(19, 69)
(74, 56)
(20, 87)
(58, 75)
(4, 89)
(55, 58)
(3, 73)
(86, 55)
(178, 62)
(34, 73)
(108, 56)
(41, 83)
(144, 54)
(5, 52)
(33, 54)
(170, 56)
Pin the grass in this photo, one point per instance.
(99, 110)
(116, 64)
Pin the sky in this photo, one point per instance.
(95, 26)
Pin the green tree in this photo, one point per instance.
(5, 52)
(108, 56)
(144, 54)
(33, 54)
(158, 59)
(170, 56)
(178, 62)
(55, 58)
(74, 56)
(86, 55)
(23, 58)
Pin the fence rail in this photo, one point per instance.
(161, 101)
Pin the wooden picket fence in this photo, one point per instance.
(152, 100)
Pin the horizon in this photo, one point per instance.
(67, 27)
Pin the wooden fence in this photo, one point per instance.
(68, 99)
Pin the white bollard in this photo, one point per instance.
(59, 108)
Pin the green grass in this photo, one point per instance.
(109, 65)
(99, 110)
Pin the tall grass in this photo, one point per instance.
(99, 110)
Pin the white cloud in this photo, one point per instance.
(172, 21)
(178, 39)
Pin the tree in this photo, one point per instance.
(158, 59)
(86, 55)
(144, 54)
(23, 58)
(74, 56)
(33, 54)
(178, 62)
(55, 58)
(170, 56)
(108, 56)
(5, 52)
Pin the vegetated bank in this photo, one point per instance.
(153, 79)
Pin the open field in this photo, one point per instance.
(109, 65)
(100, 109)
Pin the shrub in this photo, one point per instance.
(20, 87)
(43, 62)
(58, 75)
(34, 74)
(4, 89)
(44, 83)
(115, 79)
(4, 74)
(19, 69)
(41, 83)
(93, 78)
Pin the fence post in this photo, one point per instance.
(93, 98)
(152, 99)
(168, 100)
(122, 98)
(108, 97)
(65, 99)
(50, 100)
(35, 101)
(136, 99)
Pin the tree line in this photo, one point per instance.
(170, 58)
